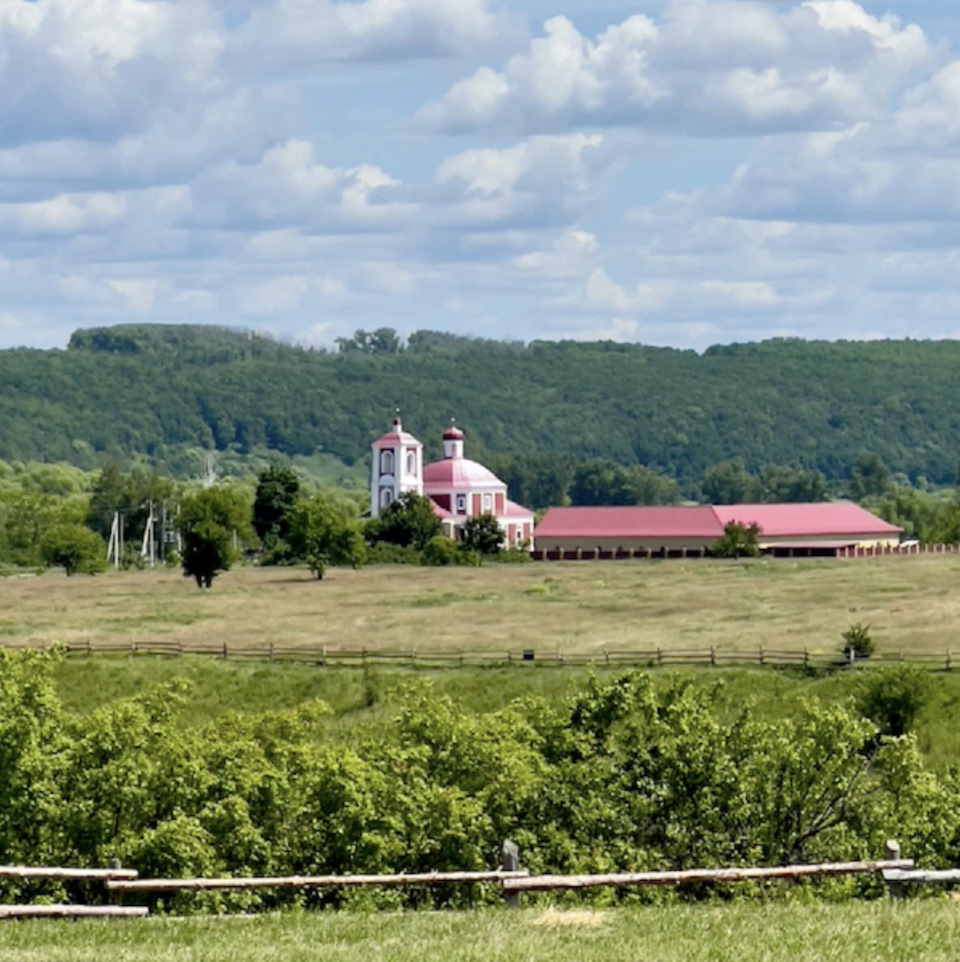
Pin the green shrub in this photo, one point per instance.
(893, 697)
(857, 642)
(384, 553)
(440, 551)
(513, 556)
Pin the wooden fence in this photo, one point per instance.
(331, 656)
(509, 876)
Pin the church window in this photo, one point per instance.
(487, 503)
(386, 497)
(412, 463)
(461, 504)
(386, 462)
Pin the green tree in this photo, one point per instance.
(601, 481)
(871, 477)
(408, 522)
(277, 491)
(482, 534)
(729, 483)
(738, 541)
(76, 548)
(209, 521)
(324, 533)
(893, 697)
(790, 485)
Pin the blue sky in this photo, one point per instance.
(681, 172)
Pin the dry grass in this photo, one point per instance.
(911, 604)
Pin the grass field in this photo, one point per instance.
(879, 932)
(910, 603)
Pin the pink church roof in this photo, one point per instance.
(458, 473)
(518, 511)
(807, 520)
(395, 437)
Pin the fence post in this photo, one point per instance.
(761, 654)
(116, 898)
(806, 657)
(224, 651)
(948, 660)
(271, 651)
(659, 657)
(510, 862)
(892, 853)
(713, 657)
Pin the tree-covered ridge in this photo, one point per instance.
(156, 391)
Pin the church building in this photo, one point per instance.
(457, 487)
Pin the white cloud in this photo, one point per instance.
(303, 32)
(722, 67)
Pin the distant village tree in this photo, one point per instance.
(409, 522)
(209, 523)
(74, 547)
(277, 491)
(738, 541)
(324, 533)
(482, 534)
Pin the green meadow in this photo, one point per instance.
(739, 932)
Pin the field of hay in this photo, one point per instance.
(910, 604)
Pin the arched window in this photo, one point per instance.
(412, 463)
(386, 497)
(386, 462)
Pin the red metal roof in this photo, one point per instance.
(830, 519)
(453, 433)
(630, 522)
(514, 510)
(806, 520)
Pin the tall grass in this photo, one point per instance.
(872, 932)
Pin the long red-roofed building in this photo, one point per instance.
(820, 528)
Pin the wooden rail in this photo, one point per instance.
(546, 883)
(66, 874)
(72, 912)
(311, 881)
(922, 875)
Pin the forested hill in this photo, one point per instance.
(154, 390)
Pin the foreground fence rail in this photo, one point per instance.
(426, 658)
(548, 883)
(313, 881)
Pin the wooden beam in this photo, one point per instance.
(543, 883)
(922, 875)
(65, 874)
(72, 912)
(309, 881)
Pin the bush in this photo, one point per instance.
(440, 551)
(893, 697)
(513, 556)
(738, 541)
(857, 642)
(384, 553)
(78, 549)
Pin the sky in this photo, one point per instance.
(673, 172)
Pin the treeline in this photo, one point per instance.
(60, 515)
(619, 776)
(165, 393)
